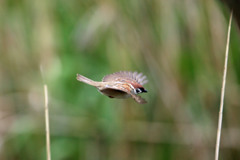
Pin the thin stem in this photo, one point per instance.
(47, 123)
(223, 91)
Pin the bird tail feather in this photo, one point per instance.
(86, 80)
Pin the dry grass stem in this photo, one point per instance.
(47, 123)
(223, 91)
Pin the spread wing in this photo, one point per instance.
(126, 76)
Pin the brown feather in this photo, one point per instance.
(125, 76)
(123, 89)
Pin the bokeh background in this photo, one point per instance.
(179, 45)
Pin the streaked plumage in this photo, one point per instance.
(121, 84)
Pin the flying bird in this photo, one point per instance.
(121, 84)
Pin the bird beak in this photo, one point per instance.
(144, 90)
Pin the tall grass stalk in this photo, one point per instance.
(223, 91)
(47, 128)
(47, 123)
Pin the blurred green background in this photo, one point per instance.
(179, 45)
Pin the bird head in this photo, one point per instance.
(137, 88)
(140, 90)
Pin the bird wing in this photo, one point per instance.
(126, 76)
(137, 98)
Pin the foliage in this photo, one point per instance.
(179, 45)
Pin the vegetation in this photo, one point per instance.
(179, 45)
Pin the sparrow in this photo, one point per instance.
(123, 84)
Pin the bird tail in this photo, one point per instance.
(85, 80)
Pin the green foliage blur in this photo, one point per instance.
(179, 45)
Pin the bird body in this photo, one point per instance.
(119, 85)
